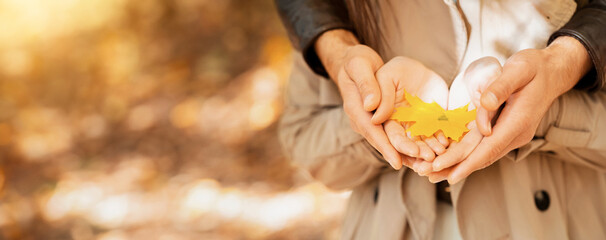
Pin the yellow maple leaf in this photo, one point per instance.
(429, 118)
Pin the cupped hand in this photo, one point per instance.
(468, 90)
(531, 80)
(352, 67)
(404, 74)
(360, 92)
(367, 84)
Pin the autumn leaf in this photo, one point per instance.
(429, 118)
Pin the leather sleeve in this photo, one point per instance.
(588, 25)
(306, 20)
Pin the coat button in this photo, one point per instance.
(541, 200)
(376, 197)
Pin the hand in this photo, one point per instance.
(468, 89)
(531, 80)
(401, 74)
(352, 67)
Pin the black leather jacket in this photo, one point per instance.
(305, 20)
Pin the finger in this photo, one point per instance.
(407, 125)
(423, 168)
(442, 139)
(418, 165)
(396, 74)
(397, 136)
(377, 138)
(434, 144)
(415, 164)
(388, 98)
(476, 161)
(425, 151)
(374, 134)
(436, 177)
(483, 119)
(478, 76)
(490, 148)
(516, 74)
(362, 72)
(457, 152)
(409, 161)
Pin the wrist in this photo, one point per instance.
(571, 60)
(331, 48)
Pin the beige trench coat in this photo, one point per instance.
(565, 162)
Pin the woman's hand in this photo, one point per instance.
(468, 90)
(396, 76)
(367, 84)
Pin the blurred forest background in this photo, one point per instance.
(149, 119)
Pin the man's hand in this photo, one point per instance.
(531, 80)
(352, 67)
(342, 54)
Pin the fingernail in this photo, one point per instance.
(411, 153)
(437, 166)
(367, 101)
(397, 162)
(436, 180)
(411, 149)
(415, 166)
(492, 99)
(425, 170)
(394, 166)
(454, 178)
(441, 150)
(422, 172)
(451, 181)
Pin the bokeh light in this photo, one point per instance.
(149, 120)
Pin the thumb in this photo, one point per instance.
(515, 76)
(478, 76)
(483, 120)
(362, 72)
